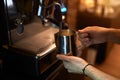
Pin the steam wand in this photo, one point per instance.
(59, 16)
(55, 16)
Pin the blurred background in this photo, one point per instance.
(27, 28)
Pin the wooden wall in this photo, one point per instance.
(72, 13)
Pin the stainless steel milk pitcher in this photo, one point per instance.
(65, 42)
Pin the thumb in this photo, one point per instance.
(63, 57)
(81, 31)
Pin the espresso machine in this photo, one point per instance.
(27, 38)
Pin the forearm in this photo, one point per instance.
(96, 74)
(113, 35)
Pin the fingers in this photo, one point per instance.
(82, 35)
(63, 57)
(84, 38)
(68, 67)
(66, 64)
(85, 42)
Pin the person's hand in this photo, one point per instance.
(92, 35)
(72, 64)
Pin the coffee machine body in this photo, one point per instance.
(14, 14)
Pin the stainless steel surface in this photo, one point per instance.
(47, 50)
(64, 41)
(64, 44)
(36, 39)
